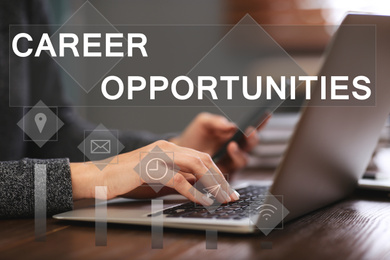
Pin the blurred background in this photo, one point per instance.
(305, 46)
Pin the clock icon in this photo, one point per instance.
(156, 169)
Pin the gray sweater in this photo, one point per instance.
(31, 85)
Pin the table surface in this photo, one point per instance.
(355, 228)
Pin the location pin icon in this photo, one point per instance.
(40, 120)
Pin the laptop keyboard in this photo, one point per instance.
(236, 210)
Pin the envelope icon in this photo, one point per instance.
(100, 146)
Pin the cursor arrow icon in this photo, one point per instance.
(212, 190)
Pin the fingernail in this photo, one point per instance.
(235, 195)
(226, 196)
(206, 201)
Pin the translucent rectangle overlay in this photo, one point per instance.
(101, 215)
(157, 224)
(40, 202)
(211, 239)
(246, 49)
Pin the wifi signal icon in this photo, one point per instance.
(266, 211)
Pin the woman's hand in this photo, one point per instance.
(126, 178)
(208, 132)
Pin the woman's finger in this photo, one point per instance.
(238, 158)
(216, 122)
(204, 172)
(181, 185)
(251, 140)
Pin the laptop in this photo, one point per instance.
(326, 155)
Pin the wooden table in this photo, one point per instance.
(355, 228)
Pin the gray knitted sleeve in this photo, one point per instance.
(17, 187)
